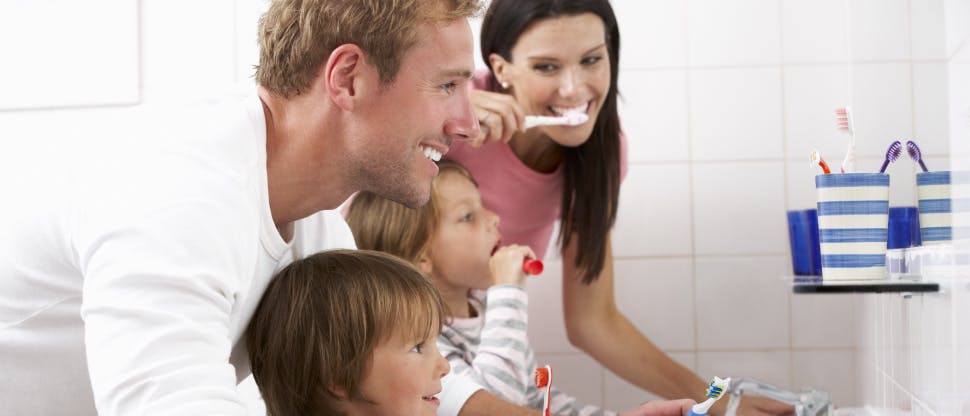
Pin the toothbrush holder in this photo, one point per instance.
(853, 219)
(944, 206)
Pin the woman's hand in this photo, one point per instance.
(506, 265)
(499, 115)
(662, 408)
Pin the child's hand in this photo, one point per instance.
(506, 265)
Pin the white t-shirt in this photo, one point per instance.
(130, 264)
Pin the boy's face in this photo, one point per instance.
(420, 113)
(465, 236)
(403, 377)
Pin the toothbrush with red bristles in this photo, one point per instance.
(817, 160)
(544, 381)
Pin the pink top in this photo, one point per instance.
(528, 202)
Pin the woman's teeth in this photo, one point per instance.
(564, 110)
(431, 154)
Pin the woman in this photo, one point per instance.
(549, 58)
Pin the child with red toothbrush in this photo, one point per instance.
(455, 242)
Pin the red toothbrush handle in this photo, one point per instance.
(532, 266)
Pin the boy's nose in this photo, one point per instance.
(444, 365)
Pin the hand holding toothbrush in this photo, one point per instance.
(507, 264)
(500, 116)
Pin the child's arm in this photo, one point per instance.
(499, 358)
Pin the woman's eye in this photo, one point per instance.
(544, 68)
(592, 60)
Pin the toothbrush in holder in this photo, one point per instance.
(543, 378)
(843, 121)
(715, 390)
(568, 119)
(892, 153)
(915, 154)
(817, 160)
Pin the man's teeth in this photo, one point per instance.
(563, 110)
(432, 154)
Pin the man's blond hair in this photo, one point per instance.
(297, 36)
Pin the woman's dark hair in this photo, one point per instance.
(591, 186)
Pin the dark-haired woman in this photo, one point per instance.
(552, 58)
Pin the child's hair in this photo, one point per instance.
(384, 225)
(320, 320)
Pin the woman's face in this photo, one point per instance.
(560, 65)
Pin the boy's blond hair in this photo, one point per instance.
(297, 36)
(384, 225)
(321, 318)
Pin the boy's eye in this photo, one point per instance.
(467, 218)
(418, 348)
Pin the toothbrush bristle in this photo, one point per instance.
(913, 150)
(894, 151)
(575, 119)
(843, 119)
(542, 377)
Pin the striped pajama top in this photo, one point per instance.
(493, 349)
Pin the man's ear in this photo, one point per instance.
(343, 73)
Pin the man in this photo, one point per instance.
(133, 259)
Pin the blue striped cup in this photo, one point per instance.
(944, 206)
(853, 218)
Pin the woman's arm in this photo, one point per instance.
(595, 325)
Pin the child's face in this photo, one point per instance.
(403, 377)
(465, 236)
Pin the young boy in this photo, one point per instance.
(348, 332)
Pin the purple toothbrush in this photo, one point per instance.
(915, 154)
(892, 154)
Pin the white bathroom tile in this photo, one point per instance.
(934, 379)
(734, 32)
(957, 23)
(814, 31)
(735, 113)
(653, 217)
(812, 94)
(742, 302)
(882, 105)
(959, 96)
(899, 348)
(827, 321)
(879, 30)
(653, 33)
(800, 184)
(930, 103)
(927, 30)
(547, 328)
(577, 375)
(739, 208)
(247, 17)
(188, 54)
(619, 395)
(832, 371)
(69, 54)
(658, 298)
(768, 366)
(653, 110)
(961, 339)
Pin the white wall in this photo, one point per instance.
(723, 101)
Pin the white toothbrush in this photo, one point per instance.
(568, 119)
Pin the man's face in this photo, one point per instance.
(414, 119)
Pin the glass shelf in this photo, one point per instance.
(813, 284)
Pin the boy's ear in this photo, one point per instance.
(423, 263)
(345, 74)
(338, 392)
